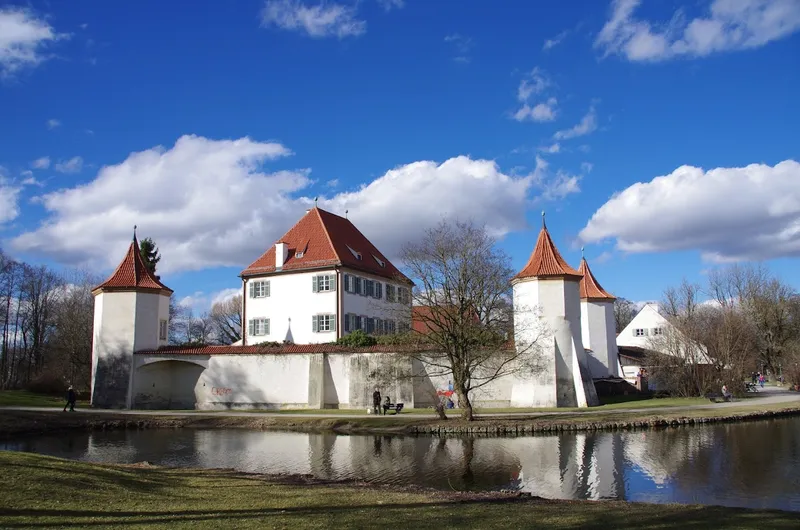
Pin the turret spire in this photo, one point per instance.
(134, 232)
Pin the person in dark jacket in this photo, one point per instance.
(376, 401)
(70, 399)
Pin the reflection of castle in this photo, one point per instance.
(322, 280)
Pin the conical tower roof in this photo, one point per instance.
(546, 260)
(590, 288)
(132, 274)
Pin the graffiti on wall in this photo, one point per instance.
(220, 391)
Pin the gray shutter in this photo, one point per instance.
(266, 326)
(251, 327)
(346, 322)
(378, 290)
(347, 283)
(314, 284)
(314, 323)
(252, 292)
(333, 322)
(266, 288)
(332, 281)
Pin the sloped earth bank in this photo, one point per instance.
(16, 423)
(41, 491)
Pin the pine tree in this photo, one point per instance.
(150, 255)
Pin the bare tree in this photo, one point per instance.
(226, 317)
(464, 285)
(624, 311)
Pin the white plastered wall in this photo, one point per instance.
(289, 307)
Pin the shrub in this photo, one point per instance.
(47, 384)
(357, 339)
(396, 339)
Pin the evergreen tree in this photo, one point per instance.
(150, 254)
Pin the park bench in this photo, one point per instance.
(750, 387)
(715, 397)
(396, 407)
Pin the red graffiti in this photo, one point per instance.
(216, 391)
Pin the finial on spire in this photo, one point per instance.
(134, 232)
(582, 255)
(544, 224)
(345, 213)
(315, 201)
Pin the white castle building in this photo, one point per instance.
(322, 280)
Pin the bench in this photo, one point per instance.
(396, 407)
(750, 387)
(714, 397)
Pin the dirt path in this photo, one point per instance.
(768, 396)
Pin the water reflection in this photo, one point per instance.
(737, 465)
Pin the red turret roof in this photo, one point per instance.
(546, 261)
(326, 240)
(590, 287)
(132, 273)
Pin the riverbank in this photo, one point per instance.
(45, 491)
(17, 423)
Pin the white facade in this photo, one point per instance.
(550, 314)
(647, 323)
(599, 337)
(319, 306)
(125, 321)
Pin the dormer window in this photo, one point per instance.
(379, 260)
(356, 254)
(299, 254)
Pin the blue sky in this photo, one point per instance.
(213, 128)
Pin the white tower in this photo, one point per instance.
(547, 311)
(131, 313)
(597, 325)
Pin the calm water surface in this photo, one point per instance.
(753, 465)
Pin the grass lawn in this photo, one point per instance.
(23, 398)
(44, 491)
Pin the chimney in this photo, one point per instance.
(281, 253)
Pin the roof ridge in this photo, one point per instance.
(327, 233)
(139, 270)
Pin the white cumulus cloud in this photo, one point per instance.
(24, 37)
(73, 165)
(728, 214)
(41, 163)
(210, 203)
(587, 125)
(729, 25)
(324, 19)
(545, 111)
(9, 199)
(53, 124)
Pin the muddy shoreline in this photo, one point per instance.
(16, 424)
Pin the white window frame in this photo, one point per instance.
(163, 329)
(378, 295)
(259, 289)
(368, 288)
(391, 293)
(323, 283)
(258, 327)
(658, 331)
(639, 332)
(323, 323)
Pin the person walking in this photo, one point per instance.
(70, 399)
(376, 401)
(761, 380)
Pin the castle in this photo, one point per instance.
(322, 280)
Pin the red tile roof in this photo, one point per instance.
(590, 288)
(546, 261)
(324, 238)
(132, 273)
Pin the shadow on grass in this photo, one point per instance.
(473, 513)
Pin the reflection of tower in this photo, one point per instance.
(547, 313)
(572, 466)
(597, 325)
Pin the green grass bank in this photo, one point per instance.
(40, 491)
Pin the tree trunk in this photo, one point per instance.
(464, 403)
